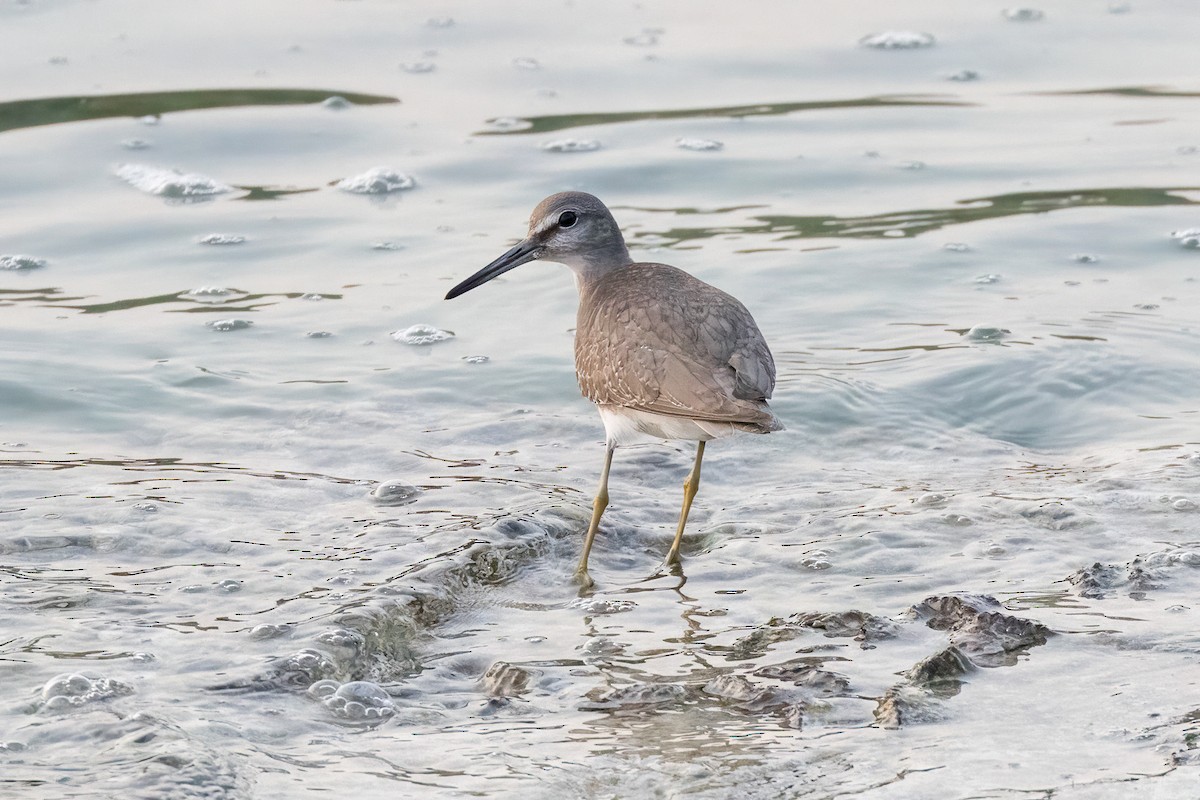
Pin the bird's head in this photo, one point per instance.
(572, 228)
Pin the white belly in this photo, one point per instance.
(629, 426)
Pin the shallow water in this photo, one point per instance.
(283, 552)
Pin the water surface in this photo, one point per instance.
(251, 545)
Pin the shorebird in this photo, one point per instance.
(662, 354)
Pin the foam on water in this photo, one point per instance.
(221, 239)
(571, 146)
(20, 262)
(421, 334)
(75, 689)
(898, 40)
(377, 180)
(1188, 237)
(169, 183)
(226, 325)
(356, 701)
(699, 145)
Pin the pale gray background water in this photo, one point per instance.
(186, 519)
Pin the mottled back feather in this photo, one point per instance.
(652, 337)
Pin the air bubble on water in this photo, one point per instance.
(148, 508)
(20, 262)
(143, 658)
(526, 62)
(931, 499)
(1023, 14)
(136, 144)
(897, 40)
(342, 638)
(602, 605)
(318, 334)
(229, 585)
(418, 67)
(386, 246)
(170, 183)
(894, 233)
(268, 631)
(988, 279)
(963, 76)
(359, 701)
(985, 333)
(221, 239)
(698, 145)
(476, 359)
(1084, 258)
(395, 493)
(377, 180)
(322, 690)
(914, 165)
(336, 103)
(1189, 237)
(312, 296)
(508, 124)
(150, 119)
(1183, 504)
(571, 146)
(75, 689)
(535, 639)
(1176, 608)
(226, 325)
(994, 550)
(421, 335)
(956, 247)
(816, 563)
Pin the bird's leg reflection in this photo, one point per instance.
(598, 505)
(690, 487)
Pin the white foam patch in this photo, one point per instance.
(377, 180)
(169, 182)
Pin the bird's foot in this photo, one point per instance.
(674, 568)
(584, 580)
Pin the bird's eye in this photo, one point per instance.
(567, 219)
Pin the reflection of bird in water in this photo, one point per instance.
(662, 354)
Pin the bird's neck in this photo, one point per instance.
(592, 267)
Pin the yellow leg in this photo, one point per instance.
(690, 487)
(598, 505)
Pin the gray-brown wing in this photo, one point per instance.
(654, 338)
